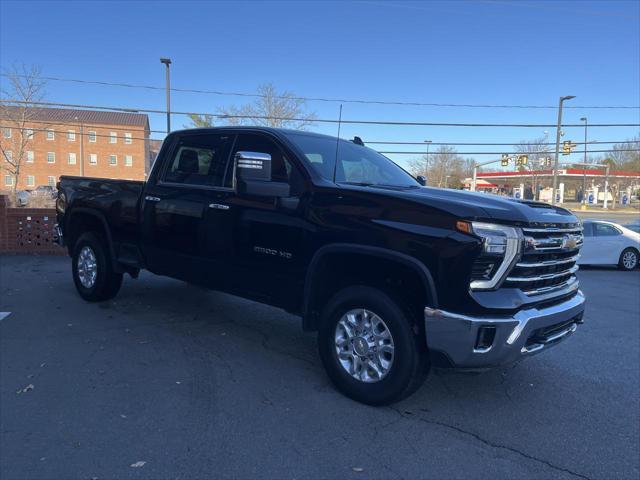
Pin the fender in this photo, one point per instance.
(411, 262)
(100, 216)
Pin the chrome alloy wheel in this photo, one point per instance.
(87, 267)
(364, 345)
(630, 260)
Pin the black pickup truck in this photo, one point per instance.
(395, 277)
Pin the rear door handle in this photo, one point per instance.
(149, 198)
(219, 206)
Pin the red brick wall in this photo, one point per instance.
(138, 149)
(27, 230)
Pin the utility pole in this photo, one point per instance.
(558, 131)
(167, 62)
(475, 177)
(584, 171)
(606, 187)
(428, 142)
(81, 126)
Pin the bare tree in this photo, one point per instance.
(23, 84)
(443, 167)
(536, 151)
(626, 155)
(271, 109)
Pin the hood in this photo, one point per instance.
(483, 206)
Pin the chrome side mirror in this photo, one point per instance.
(253, 166)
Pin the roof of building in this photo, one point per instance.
(67, 115)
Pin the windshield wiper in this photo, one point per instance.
(361, 184)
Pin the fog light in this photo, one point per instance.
(486, 335)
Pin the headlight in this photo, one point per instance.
(501, 245)
(494, 236)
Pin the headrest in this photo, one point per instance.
(188, 161)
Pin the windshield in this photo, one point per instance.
(356, 164)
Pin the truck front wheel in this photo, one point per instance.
(92, 269)
(368, 347)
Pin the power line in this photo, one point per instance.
(321, 99)
(495, 144)
(501, 153)
(320, 120)
(80, 123)
(83, 134)
(368, 142)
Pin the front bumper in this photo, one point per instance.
(527, 332)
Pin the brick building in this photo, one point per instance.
(72, 142)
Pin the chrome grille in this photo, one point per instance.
(548, 260)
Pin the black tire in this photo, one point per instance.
(410, 364)
(107, 282)
(624, 264)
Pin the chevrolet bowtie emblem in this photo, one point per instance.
(569, 242)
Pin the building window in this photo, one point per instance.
(128, 139)
(51, 181)
(51, 135)
(8, 155)
(29, 133)
(31, 181)
(113, 160)
(93, 159)
(51, 157)
(71, 135)
(128, 160)
(72, 158)
(6, 132)
(30, 156)
(8, 180)
(92, 136)
(113, 137)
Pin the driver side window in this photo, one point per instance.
(282, 170)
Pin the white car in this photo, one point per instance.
(607, 243)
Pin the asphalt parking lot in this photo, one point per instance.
(169, 381)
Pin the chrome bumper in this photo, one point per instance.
(456, 335)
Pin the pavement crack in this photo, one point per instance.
(490, 443)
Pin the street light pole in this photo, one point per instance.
(557, 159)
(584, 171)
(167, 62)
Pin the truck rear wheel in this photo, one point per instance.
(368, 347)
(92, 269)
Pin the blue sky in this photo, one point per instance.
(482, 52)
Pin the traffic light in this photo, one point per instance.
(523, 159)
(505, 160)
(566, 147)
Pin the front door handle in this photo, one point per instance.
(219, 206)
(149, 198)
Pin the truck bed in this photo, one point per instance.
(118, 202)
